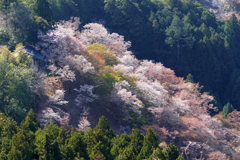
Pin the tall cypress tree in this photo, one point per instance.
(22, 145)
(228, 108)
(150, 142)
(30, 122)
(171, 152)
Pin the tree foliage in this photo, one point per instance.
(228, 108)
(16, 81)
(54, 143)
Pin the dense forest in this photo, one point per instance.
(29, 142)
(70, 71)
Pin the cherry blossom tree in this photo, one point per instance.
(80, 63)
(153, 93)
(60, 41)
(85, 95)
(97, 33)
(122, 93)
(58, 97)
(64, 50)
(65, 73)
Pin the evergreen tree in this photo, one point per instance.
(157, 154)
(47, 145)
(232, 31)
(57, 143)
(5, 148)
(180, 157)
(189, 78)
(228, 108)
(17, 26)
(120, 143)
(15, 154)
(178, 34)
(30, 122)
(8, 127)
(136, 141)
(96, 153)
(171, 152)
(99, 139)
(76, 147)
(23, 147)
(15, 82)
(134, 148)
(150, 142)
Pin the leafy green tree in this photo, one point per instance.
(96, 153)
(16, 78)
(28, 142)
(180, 157)
(47, 145)
(120, 13)
(178, 34)
(30, 4)
(5, 148)
(157, 154)
(8, 127)
(17, 26)
(232, 30)
(150, 142)
(228, 108)
(22, 147)
(30, 122)
(134, 147)
(76, 147)
(99, 139)
(22, 144)
(171, 152)
(120, 143)
(15, 154)
(189, 78)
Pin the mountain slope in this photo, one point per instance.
(92, 73)
(183, 35)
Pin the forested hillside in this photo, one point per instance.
(70, 71)
(181, 34)
(28, 142)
